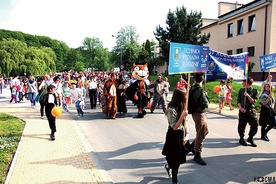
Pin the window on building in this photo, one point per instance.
(229, 52)
(251, 23)
(251, 51)
(239, 51)
(230, 30)
(240, 27)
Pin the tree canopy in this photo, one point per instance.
(181, 28)
(16, 58)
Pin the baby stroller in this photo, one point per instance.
(64, 105)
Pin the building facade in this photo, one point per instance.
(244, 28)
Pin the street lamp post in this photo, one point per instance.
(121, 54)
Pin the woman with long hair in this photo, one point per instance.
(267, 115)
(177, 135)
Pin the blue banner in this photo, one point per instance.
(223, 66)
(267, 62)
(186, 58)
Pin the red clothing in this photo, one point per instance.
(181, 85)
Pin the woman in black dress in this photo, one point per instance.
(177, 135)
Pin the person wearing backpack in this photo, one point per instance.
(197, 105)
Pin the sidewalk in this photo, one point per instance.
(40, 160)
(65, 160)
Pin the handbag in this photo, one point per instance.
(37, 97)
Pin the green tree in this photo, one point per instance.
(99, 56)
(250, 67)
(73, 61)
(102, 59)
(181, 28)
(91, 45)
(127, 45)
(12, 55)
(60, 48)
(39, 61)
(16, 58)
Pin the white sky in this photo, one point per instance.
(71, 21)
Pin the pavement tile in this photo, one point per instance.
(40, 160)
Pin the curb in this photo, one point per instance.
(14, 158)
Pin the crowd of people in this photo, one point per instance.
(107, 91)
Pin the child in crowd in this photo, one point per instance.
(74, 93)
(66, 93)
(222, 95)
(50, 101)
(83, 91)
(13, 94)
(228, 94)
(21, 92)
(79, 102)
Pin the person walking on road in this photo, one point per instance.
(229, 94)
(50, 101)
(167, 88)
(1, 83)
(222, 95)
(247, 98)
(267, 114)
(92, 90)
(177, 135)
(197, 105)
(42, 90)
(159, 89)
(58, 86)
(109, 91)
(32, 90)
(121, 95)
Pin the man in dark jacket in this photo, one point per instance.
(247, 98)
(197, 105)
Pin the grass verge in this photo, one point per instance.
(11, 129)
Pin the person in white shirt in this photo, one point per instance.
(16, 82)
(268, 80)
(92, 90)
(74, 94)
(58, 86)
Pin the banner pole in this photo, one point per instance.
(187, 93)
(186, 107)
(245, 87)
(205, 77)
(269, 81)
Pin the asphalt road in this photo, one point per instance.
(128, 150)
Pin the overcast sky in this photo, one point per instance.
(71, 21)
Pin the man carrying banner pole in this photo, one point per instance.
(197, 105)
(247, 98)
